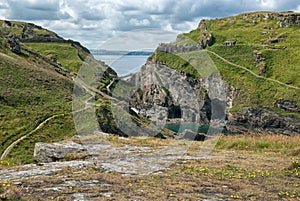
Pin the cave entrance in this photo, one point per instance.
(174, 112)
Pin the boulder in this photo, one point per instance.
(46, 153)
(192, 135)
(14, 44)
(287, 105)
(6, 24)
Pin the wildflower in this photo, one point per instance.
(235, 196)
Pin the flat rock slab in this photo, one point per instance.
(58, 178)
(126, 159)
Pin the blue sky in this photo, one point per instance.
(100, 23)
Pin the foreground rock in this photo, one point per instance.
(52, 152)
(191, 135)
(125, 159)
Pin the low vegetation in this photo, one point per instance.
(243, 167)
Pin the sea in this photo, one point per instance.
(123, 64)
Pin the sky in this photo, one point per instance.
(129, 24)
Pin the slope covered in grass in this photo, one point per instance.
(264, 64)
(36, 87)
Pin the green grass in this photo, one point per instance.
(178, 63)
(259, 144)
(58, 129)
(66, 54)
(254, 92)
(17, 27)
(240, 55)
(194, 35)
(34, 88)
(280, 61)
(29, 95)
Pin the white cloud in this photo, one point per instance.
(90, 20)
(138, 40)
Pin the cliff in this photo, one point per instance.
(244, 57)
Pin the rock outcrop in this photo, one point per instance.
(53, 152)
(175, 48)
(284, 20)
(259, 120)
(286, 105)
(14, 44)
(6, 24)
(165, 93)
(206, 38)
(191, 135)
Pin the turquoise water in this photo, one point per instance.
(178, 128)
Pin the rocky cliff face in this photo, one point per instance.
(206, 38)
(167, 95)
(260, 120)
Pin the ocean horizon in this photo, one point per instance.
(123, 64)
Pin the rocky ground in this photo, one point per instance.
(116, 168)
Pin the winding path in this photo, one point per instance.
(246, 69)
(92, 91)
(114, 79)
(87, 105)
(7, 150)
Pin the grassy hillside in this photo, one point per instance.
(29, 95)
(64, 53)
(36, 88)
(36, 84)
(264, 63)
